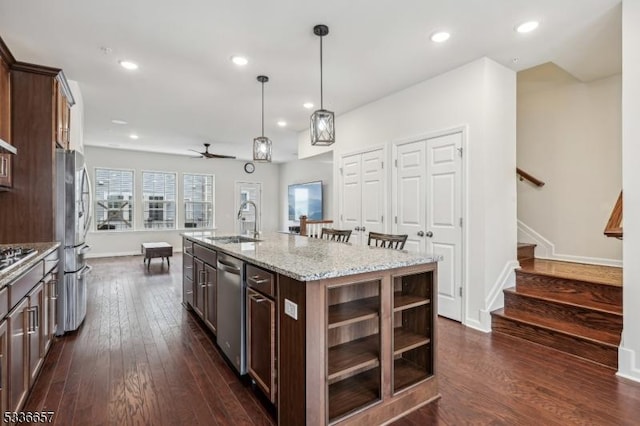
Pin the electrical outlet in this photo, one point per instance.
(291, 309)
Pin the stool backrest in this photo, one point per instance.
(387, 240)
(339, 235)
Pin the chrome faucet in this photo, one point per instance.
(255, 222)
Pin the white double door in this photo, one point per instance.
(428, 208)
(363, 194)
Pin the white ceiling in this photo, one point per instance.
(187, 91)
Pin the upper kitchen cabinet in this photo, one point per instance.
(37, 129)
(6, 59)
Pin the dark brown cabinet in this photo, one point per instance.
(35, 331)
(5, 114)
(28, 211)
(210, 292)
(261, 330)
(3, 365)
(205, 287)
(18, 353)
(49, 316)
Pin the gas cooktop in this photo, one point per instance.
(13, 256)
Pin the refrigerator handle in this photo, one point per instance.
(89, 215)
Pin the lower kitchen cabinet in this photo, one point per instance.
(4, 354)
(261, 342)
(210, 291)
(200, 284)
(50, 317)
(187, 280)
(35, 331)
(18, 355)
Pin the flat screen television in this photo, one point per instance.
(305, 199)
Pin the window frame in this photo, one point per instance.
(213, 200)
(132, 201)
(143, 201)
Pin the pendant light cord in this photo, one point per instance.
(321, 103)
(263, 109)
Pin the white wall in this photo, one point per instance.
(226, 172)
(629, 353)
(307, 170)
(569, 135)
(480, 97)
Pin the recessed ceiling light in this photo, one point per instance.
(440, 36)
(307, 105)
(134, 136)
(119, 122)
(239, 60)
(128, 65)
(282, 123)
(527, 27)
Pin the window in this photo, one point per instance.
(159, 200)
(114, 199)
(198, 201)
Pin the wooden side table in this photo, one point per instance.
(161, 249)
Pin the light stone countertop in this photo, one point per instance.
(309, 259)
(42, 251)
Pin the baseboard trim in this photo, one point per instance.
(506, 279)
(545, 249)
(120, 254)
(627, 367)
(478, 325)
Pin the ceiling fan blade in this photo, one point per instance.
(221, 156)
(189, 149)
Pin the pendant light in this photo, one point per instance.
(323, 132)
(261, 144)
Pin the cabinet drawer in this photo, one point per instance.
(187, 266)
(206, 255)
(23, 285)
(187, 246)
(261, 280)
(50, 261)
(4, 302)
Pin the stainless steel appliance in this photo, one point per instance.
(11, 256)
(72, 223)
(231, 310)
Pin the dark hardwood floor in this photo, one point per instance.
(140, 358)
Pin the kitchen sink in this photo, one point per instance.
(233, 239)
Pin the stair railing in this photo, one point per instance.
(614, 225)
(526, 176)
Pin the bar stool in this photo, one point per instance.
(339, 235)
(387, 240)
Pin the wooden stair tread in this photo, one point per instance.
(596, 274)
(599, 352)
(521, 245)
(573, 330)
(566, 300)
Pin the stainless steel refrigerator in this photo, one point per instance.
(72, 224)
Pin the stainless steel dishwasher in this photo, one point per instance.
(231, 310)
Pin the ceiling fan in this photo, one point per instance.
(207, 154)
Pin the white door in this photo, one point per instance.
(362, 195)
(428, 196)
(410, 190)
(248, 191)
(443, 232)
(373, 192)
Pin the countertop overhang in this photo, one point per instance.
(42, 251)
(311, 259)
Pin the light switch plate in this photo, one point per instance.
(291, 309)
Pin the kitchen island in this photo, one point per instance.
(351, 337)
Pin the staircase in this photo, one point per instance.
(571, 307)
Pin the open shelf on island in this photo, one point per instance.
(406, 340)
(353, 393)
(350, 312)
(355, 355)
(403, 301)
(407, 373)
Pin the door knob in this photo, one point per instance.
(363, 229)
(357, 228)
(429, 234)
(420, 234)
